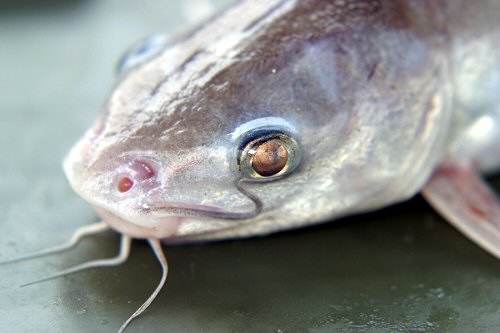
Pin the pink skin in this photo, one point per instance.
(141, 171)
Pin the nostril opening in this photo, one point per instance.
(125, 184)
(143, 170)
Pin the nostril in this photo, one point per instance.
(133, 173)
(142, 169)
(125, 184)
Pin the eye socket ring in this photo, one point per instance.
(269, 157)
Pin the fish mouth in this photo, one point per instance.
(140, 228)
(183, 210)
(163, 220)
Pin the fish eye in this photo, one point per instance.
(139, 52)
(269, 156)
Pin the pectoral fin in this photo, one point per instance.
(460, 195)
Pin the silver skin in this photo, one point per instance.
(376, 93)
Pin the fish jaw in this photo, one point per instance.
(164, 228)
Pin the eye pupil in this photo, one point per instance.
(270, 158)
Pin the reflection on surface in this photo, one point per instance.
(401, 269)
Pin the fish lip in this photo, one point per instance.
(150, 224)
(147, 228)
(175, 211)
(184, 206)
(200, 211)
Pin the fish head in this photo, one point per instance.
(249, 130)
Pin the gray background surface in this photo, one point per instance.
(403, 269)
